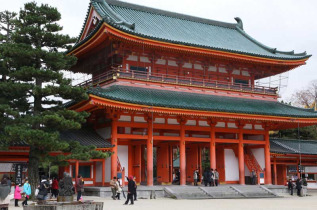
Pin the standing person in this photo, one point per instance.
(27, 191)
(79, 186)
(135, 185)
(43, 189)
(55, 187)
(195, 176)
(207, 177)
(212, 179)
(17, 195)
(113, 187)
(298, 186)
(4, 190)
(119, 189)
(216, 177)
(131, 189)
(290, 186)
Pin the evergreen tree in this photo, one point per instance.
(34, 57)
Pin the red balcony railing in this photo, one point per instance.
(174, 79)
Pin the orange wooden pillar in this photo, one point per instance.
(114, 142)
(212, 146)
(182, 154)
(275, 171)
(149, 155)
(76, 169)
(104, 172)
(241, 157)
(268, 178)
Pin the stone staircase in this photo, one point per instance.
(186, 192)
(220, 192)
(254, 191)
(224, 191)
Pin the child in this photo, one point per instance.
(27, 191)
(17, 195)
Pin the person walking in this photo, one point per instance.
(131, 190)
(113, 187)
(55, 187)
(290, 186)
(299, 186)
(79, 186)
(17, 195)
(216, 177)
(195, 177)
(27, 191)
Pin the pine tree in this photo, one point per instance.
(35, 58)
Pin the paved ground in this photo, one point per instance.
(288, 202)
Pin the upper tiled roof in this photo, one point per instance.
(195, 101)
(292, 146)
(183, 29)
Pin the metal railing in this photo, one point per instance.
(174, 79)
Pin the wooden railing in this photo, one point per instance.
(175, 79)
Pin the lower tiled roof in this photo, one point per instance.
(292, 146)
(195, 101)
(85, 136)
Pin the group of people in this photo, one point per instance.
(298, 186)
(210, 177)
(116, 188)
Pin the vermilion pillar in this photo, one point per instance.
(114, 156)
(275, 172)
(241, 157)
(212, 147)
(76, 169)
(268, 178)
(104, 172)
(149, 154)
(182, 155)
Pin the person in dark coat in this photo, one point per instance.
(131, 191)
(79, 184)
(290, 186)
(298, 186)
(207, 177)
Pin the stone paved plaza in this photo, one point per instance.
(287, 202)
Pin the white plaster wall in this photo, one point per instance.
(108, 170)
(5, 167)
(259, 156)
(231, 166)
(311, 185)
(123, 154)
(105, 133)
(98, 172)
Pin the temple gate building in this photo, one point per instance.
(165, 84)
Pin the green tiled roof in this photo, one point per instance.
(292, 146)
(85, 136)
(183, 29)
(195, 101)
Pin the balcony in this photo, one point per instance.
(115, 74)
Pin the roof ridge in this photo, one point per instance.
(306, 140)
(170, 14)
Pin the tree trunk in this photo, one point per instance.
(33, 169)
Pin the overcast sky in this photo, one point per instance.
(284, 24)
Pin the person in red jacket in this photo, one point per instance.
(55, 187)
